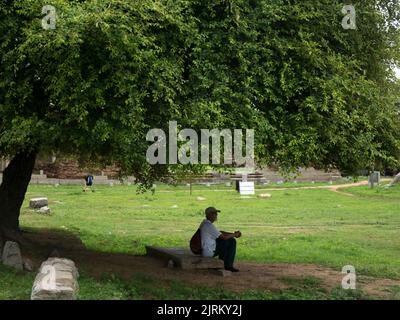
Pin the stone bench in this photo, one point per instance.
(184, 258)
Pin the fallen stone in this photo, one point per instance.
(264, 196)
(201, 199)
(44, 210)
(11, 256)
(221, 272)
(28, 264)
(184, 258)
(38, 203)
(57, 280)
(174, 206)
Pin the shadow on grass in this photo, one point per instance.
(105, 276)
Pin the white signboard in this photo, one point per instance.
(246, 187)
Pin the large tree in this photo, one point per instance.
(316, 94)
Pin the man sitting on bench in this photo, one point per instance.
(218, 243)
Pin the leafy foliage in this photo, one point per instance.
(111, 70)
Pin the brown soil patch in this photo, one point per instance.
(252, 276)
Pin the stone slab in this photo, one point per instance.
(264, 196)
(184, 258)
(44, 210)
(37, 203)
(11, 255)
(57, 280)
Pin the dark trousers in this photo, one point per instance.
(226, 250)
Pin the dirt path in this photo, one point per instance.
(252, 276)
(357, 184)
(256, 276)
(333, 188)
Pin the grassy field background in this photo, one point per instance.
(294, 226)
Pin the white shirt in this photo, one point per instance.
(209, 233)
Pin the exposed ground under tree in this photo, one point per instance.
(253, 276)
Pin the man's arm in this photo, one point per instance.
(228, 235)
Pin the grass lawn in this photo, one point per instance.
(314, 226)
(17, 286)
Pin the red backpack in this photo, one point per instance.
(195, 243)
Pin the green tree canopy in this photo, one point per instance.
(315, 93)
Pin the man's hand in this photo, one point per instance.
(227, 235)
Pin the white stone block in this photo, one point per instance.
(57, 280)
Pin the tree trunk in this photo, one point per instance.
(16, 178)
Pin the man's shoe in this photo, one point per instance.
(232, 269)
